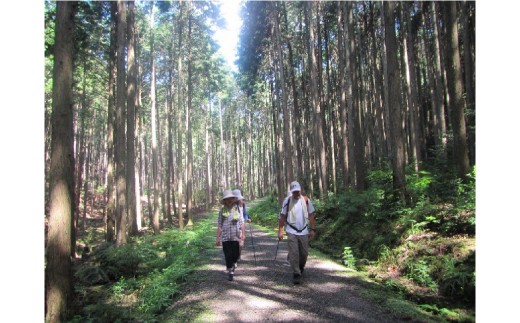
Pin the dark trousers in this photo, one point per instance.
(231, 252)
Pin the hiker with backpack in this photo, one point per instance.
(297, 217)
(241, 205)
(231, 231)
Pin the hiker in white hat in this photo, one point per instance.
(231, 231)
(297, 217)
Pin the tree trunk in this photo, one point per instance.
(413, 94)
(455, 89)
(439, 83)
(110, 199)
(179, 178)
(343, 83)
(468, 19)
(207, 145)
(153, 118)
(316, 103)
(189, 164)
(130, 121)
(394, 100)
(58, 273)
(120, 144)
(287, 146)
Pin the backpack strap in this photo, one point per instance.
(287, 214)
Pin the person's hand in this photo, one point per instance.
(218, 242)
(249, 220)
(280, 235)
(313, 234)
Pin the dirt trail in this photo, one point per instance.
(265, 293)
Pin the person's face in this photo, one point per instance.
(229, 201)
(296, 194)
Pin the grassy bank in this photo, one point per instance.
(138, 281)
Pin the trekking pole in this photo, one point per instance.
(252, 241)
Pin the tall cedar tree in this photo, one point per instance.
(58, 273)
(120, 144)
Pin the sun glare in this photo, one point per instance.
(228, 38)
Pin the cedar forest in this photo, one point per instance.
(369, 105)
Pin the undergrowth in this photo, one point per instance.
(137, 281)
(422, 248)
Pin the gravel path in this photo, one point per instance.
(265, 293)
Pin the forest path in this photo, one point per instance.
(264, 292)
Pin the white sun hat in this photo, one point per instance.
(227, 194)
(238, 194)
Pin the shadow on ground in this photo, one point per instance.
(262, 290)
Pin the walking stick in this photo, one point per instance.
(252, 241)
(276, 254)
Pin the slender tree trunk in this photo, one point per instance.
(58, 269)
(350, 59)
(86, 182)
(455, 89)
(413, 94)
(287, 146)
(394, 100)
(179, 121)
(153, 118)
(344, 83)
(316, 103)
(207, 144)
(439, 81)
(469, 74)
(189, 164)
(170, 168)
(120, 144)
(130, 122)
(110, 217)
(138, 144)
(223, 148)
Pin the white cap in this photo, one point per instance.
(295, 187)
(227, 194)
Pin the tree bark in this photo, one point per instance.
(287, 145)
(120, 144)
(153, 118)
(58, 273)
(130, 122)
(413, 94)
(316, 103)
(455, 90)
(394, 100)
(179, 178)
(110, 199)
(189, 164)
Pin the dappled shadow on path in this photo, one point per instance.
(265, 293)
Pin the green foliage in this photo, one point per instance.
(123, 287)
(458, 278)
(419, 271)
(142, 276)
(348, 258)
(265, 212)
(408, 244)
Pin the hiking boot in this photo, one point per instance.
(230, 276)
(296, 279)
